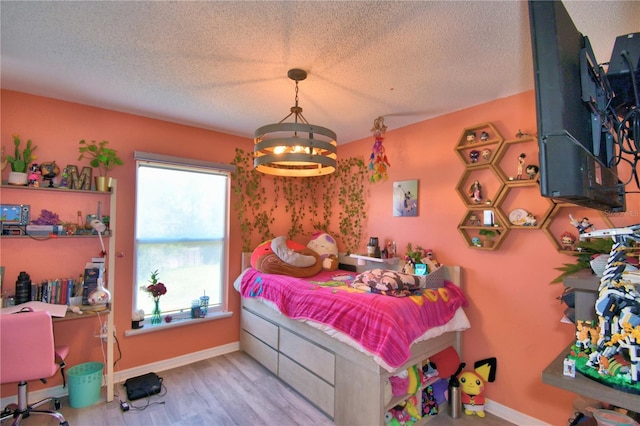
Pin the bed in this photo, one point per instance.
(332, 357)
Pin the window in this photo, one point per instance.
(181, 230)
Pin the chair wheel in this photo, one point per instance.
(57, 404)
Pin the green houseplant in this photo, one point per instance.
(489, 235)
(101, 157)
(20, 161)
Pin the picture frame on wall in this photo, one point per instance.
(405, 198)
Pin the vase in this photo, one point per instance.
(103, 183)
(156, 317)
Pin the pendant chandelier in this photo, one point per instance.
(297, 149)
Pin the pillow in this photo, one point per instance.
(265, 260)
(265, 248)
(384, 280)
(323, 244)
(387, 281)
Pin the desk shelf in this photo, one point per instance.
(553, 375)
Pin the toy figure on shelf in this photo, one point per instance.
(615, 358)
(378, 162)
(583, 225)
(486, 154)
(568, 241)
(484, 136)
(532, 171)
(474, 156)
(34, 175)
(475, 192)
(521, 158)
(530, 220)
(471, 137)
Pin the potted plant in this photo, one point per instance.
(20, 161)
(488, 234)
(101, 157)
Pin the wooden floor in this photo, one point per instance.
(228, 390)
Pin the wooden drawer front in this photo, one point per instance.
(259, 351)
(308, 384)
(309, 355)
(260, 328)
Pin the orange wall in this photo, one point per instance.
(514, 312)
(56, 127)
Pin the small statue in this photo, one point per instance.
(583, 225)
(532, 171)
(34, 175)
(521, 158)
(484, 136)
(567, 241)
(474, 156)
(486, 154)
(471, 137)
(475, 192)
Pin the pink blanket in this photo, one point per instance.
(385, 326)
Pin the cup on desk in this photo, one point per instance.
(204, 306)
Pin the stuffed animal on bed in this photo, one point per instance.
(285, 257)
(472, 385)
(327, 248)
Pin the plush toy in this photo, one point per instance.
(400, 383)
(473, 383)
(327, 248)
(285, 257)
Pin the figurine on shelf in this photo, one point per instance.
(530, 220)
(474, 220)
(583, 225)
(471, 137)
(475, 192)
(474, 156)
(64, 182)
(532, 171)
(486, 154)
(521, 158)
(484, 136)
(34, 175)
(567, 241)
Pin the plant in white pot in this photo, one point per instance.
(20, 161)
(101, 157)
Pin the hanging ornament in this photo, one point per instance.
(378, 162)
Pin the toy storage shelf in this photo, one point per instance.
(586, 286)
(553, 375)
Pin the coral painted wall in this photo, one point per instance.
(513, 309)
(514, 312)
(56, 127)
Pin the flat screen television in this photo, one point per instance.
(577, 133)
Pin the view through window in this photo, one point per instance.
(180, 231)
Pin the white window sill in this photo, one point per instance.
(176, 322)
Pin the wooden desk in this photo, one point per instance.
(553, 375)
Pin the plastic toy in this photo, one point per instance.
(473, 386)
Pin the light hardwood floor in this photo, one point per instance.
(228, 390)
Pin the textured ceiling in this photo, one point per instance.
(223, 65)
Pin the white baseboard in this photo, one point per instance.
(121, 376)
(511, 415)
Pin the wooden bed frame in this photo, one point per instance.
(346, 384)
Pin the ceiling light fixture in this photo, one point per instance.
(297, 149)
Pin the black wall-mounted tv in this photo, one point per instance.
(577, 142)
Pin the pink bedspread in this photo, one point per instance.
(385, 326)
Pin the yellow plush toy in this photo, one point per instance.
(472, 386)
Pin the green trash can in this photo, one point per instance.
(85, 381)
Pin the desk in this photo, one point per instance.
(553, 375)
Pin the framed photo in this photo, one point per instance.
(405, 198)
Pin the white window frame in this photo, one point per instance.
(145, 159)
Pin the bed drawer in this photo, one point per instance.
(260, 328)
(308, 384)
(309, 355)
(259, 351)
